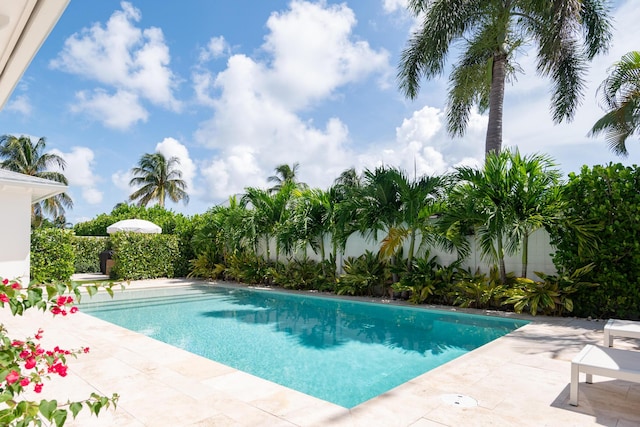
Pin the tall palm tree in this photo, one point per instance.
(621, 97)
(567, 34)
(23, 156)
(285, 174)
(158, 178)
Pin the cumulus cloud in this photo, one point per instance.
(422, 145)
(121, 180)
(79, 172)
(257, 124)
(127, 60)
(216, 48)
(118, 111)
(20, 104)
(391, 6)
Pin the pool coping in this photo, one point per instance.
(521, 378)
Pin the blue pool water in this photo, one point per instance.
(341, 351)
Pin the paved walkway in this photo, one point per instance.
(520, 379)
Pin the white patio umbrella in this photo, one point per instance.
(134, 226)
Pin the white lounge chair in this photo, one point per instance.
(606, 362)
(620, 328)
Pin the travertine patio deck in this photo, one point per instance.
(520, 379)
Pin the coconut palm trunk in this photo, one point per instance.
(493, 142)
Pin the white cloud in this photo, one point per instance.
(311, 54)
(170, 147)
(391, 6)
(216, 48)
(117, 111)
(422, 145)
(21, 104)
(79, 172)
(121, 180)
(123, 57)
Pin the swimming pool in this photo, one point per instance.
(341, 351)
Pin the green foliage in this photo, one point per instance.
(87, 250)
(206, 266)
(52, 255)
(421, 281)
(477, 290)
(605, 195)
(551, 295)
(168, 220)
(248, 268)
(363, 275)
(303, 274)
(143, 256)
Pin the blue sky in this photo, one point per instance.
(236, 88)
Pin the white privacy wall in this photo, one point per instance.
(15, 234)
(540, 254)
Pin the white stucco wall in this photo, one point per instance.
(15, 234)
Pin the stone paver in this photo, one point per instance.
(520, 379)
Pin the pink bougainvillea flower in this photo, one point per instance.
(73, 310)
(69, 300)
(37, 388)
(86, 349)
(5, 282)
(12, 377)
(4, 298)
(24, 382)
(17, 343)
(30, 363)
(39, 334)
(56, 310)
(24, 354)
(16, 285)
(61, 301)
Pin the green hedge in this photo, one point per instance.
(88, 253)
(52, 255)
(143, 256)
(609, 196)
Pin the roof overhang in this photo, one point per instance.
(24, 26)
(39, 188)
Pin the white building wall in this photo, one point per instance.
(15, 234)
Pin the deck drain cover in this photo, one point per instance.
(459, 400)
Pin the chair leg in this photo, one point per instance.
(573, 390)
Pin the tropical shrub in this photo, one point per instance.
(551, 295)
(477, 290)
(143, 256)
(87, 250)
(52, 255)
(608, 196)
(364, 275)
(248, 268)
(301, 274)
(206, 266)
(24, 364)
(421, 281)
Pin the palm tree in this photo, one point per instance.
(285, 174)
(269, 213)
(158, 178)
(568, 33)
(505, 202)
(23, 156)
(621, 97)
